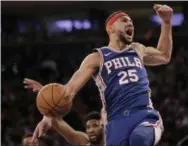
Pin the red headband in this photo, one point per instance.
(114, 18)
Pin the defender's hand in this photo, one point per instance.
(42, 127)
(164, 12)
(32, 84)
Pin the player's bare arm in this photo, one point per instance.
(162, 54)
(72, 136)
(87, 69)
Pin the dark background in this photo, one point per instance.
(47, 41)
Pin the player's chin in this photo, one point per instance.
(129, 39)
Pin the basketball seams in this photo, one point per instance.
(49, 111)
(53, 95)
(52, 108)
(55, 106)
(60, 101)
(43, 108)
(46, 101)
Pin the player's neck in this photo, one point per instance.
(117, 45)
(102, 143)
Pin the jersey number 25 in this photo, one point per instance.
(127, 76)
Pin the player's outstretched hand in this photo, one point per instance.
(32, 84)
(164, 12)
(42, 127)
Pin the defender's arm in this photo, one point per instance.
(72, 136)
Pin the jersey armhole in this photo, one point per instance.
(138, 53)
(101, 62)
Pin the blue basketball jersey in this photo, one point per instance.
(122, 81)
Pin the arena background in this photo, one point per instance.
(47, 41)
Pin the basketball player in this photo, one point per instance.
(94, 131)
(119, 72)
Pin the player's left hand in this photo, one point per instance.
(164, 12)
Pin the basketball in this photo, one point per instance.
(51, 100)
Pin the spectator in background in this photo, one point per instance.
(26, 141)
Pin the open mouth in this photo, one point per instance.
(129, 31)
(92, 136)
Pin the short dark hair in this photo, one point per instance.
(111, 15)
(94, 115)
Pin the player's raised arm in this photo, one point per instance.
(87, 69)
(162, 54)
(72, 136)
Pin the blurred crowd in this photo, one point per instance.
(56, 63)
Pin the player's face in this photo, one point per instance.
(124, 29)
(94, 130)
(27, 142)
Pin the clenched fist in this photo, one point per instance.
(164, 12)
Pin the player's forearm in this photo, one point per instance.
(165, 40)
(78, 80)
(72, 87)
(72, 136)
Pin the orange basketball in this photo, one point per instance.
(51, 100)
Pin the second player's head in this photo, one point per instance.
(27, 141)
(120, 26)
(94, 127)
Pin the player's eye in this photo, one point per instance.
(125, 20)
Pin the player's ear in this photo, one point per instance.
(112, 28)
(109, 28)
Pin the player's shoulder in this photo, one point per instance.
(99, 49)
(93, 58)
(139, 48)
(95, 53)
(137, 45)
